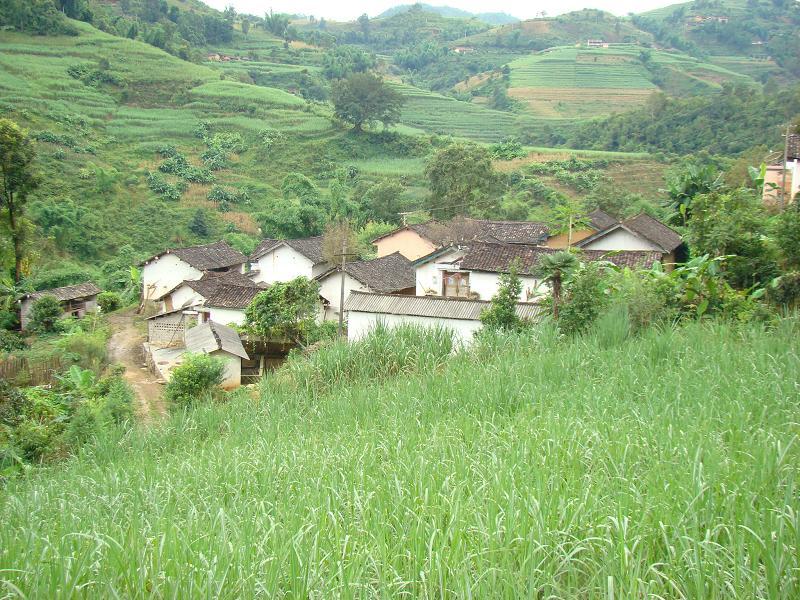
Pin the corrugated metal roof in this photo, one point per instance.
(430, 306)
(210, 337)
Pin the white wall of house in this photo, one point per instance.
(164, 273)
(183, 296)
(359, 324)
(330, 289)
(232, 377)
(621, 240)
(284, 264)
(486, 285)
(225, 316)
(429, 274)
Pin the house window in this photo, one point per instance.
(455, 284)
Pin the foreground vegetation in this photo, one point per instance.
(530, 466)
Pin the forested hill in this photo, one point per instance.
(493, 18)
(726, 124)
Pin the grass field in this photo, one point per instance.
(664, 466)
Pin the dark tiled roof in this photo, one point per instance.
(387, 274)
(794, 146)
(655, 231)
(69, 292)
(310, 247)
(461, 230)
(263, 247)
(232, 296)
(210, 281)
(210, 256)
(600, 220)
(497, 258)
(431, 306)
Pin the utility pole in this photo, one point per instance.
(340, 329)
(783, 166)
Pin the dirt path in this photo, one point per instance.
(125, 347)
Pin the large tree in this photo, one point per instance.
(285, 310)
(363, 98)
(17, 181)
(461, 178)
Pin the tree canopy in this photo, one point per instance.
(363, 99)
(461, 178)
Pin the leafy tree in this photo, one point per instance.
(568, 215)
(734, 224)
(276, 23)
(245, 27)
(285, 310)
(37, 16)
(461, 177)
(683, 186)
(787, 236)
(17, 181)
(45, 314)
(198, 225)
(363, 98)
(585, 298)
(364, 25)
(384, 202)
(109, 301)
(502, 313)
(555, 269)
(339, 238)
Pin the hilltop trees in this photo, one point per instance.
(17, 181)
(460, 177)
(363, 98)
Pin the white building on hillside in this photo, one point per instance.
(283, 260)
(163, 271)
(393, 274)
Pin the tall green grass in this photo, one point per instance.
(661, 466)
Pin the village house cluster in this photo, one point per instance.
(431, 274)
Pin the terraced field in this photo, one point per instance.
(579, 82)
(443, 115)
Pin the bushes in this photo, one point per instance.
(45, 315)
(109, 301)
(194, 380)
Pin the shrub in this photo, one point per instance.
(194, 380)
(502, 313)
(45, 315)
(586, 297)
(109, 301)
(10, 341)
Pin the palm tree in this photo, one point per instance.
(554, 268)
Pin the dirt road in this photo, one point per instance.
(125, 347)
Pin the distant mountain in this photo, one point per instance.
(492, 18)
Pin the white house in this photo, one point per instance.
(366, 311)
(392, 274)
(283, 260)
(474, 271)
(163, 271)
(641, 233)
(75, 300)
(227, 304)
(195, 292)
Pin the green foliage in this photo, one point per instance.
(734, 224)
(460, 178)
(382, 354)
(687, 182)
(502, 313)
(363, 98)
(195, 380)
(555, 269)
(36, 16)
(109, 301)
(169, 191)
(384, 201)
(343, 61)
(584, 299)
(17, 181)
(45, 315)
(285, 310)
(508, 149)
(198, 225)
(786, 232)
(11, 340)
